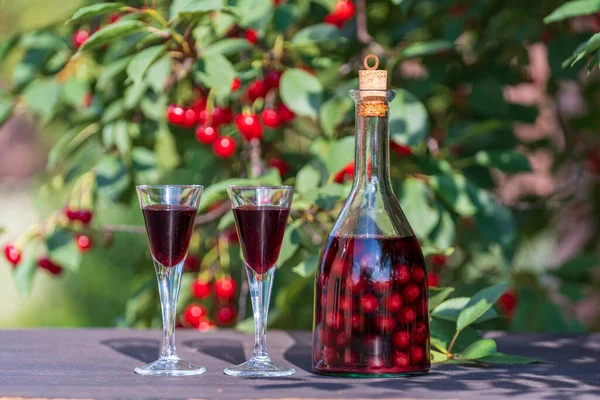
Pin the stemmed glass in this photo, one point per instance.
(260, 215)
(169, 213)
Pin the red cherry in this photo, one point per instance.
(330, 355)
(251, 36)
(419, 332)
(508, 303)
(270, 118)
(48, 265)
(355, 286)
(334, 320)
(346, 173)
(411, 293)
(12, 254)
(375, 361)
(200, 289)
(79, 37)
(338, 268)
(385, 323)
(225, 288)
(272, 79)
(332, 19)
(72, 215)
(342, 339)
(84, 242)
(368, 303)
(394, 302)
(344, 10)
(249, 126)
(85, 216)
(87, 100)
(225, 315)
(285, 114)
(221, 116)
(175, 114)
(402, 276)
(224, 147)
(400, 359)
(279, 165)
(232, 236)
(401, 339)
(417, 274)
(112, 18)
(278, 2)
(358, 322)
(236, 83)
(345, 304)
(193, 315)
(205, 325)
(458, 9)
(400, 149)
(407, 315)
(191, 263)
(439, 260)
(433, 279)
(206, 134)
(190, 117)
(199, 105)
(416, 354)
(257, 89)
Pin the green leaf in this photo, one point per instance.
(326, 196)
(335, 154)
(112, 177)
(194, 8)
(301, 92)
(8, 45)
(460, 194)
(166, 150)
(114, 111)
(253, 13)
(23, 274)
(479, 349)
(442, 333)
(96, 9)
(145, 164)
(134, 93)
(573, 9)
(141, 62)
(487, 98)
(450, 310)
(437, 357)
(29, 67)
(285, 16)
(291, 242)
(307, 267)
(479, 304)
(218, 191)
(42, 97)
(158, 73)
(501, 358)
(438, 295)
(316, 34)
(496, 224)
(6, 106)
(63, 250)
(308, 179)
(333, 112)
(509, 161)
(121, 137)
(110, 33)
(409, 122)
(111, 71)
(414, 195)
(216, 71)
(420, 49)
(74, 91)
(578, 268)
(227, 47)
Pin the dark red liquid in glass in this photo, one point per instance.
(169, 231)
(371, 314)
(261, 230)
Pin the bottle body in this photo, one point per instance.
(371, 310)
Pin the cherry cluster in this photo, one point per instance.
(197, 316)
(209, 120)
(371, 307)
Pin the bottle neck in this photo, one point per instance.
(371, 159)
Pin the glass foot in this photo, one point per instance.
(170, 367)
(259, 368)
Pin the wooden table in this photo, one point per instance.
(99, 363)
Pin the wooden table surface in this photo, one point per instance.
(99, 363)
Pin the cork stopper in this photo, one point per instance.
(372, 84)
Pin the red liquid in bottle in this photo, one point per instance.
(169, 231)
(371, 312)
(261, 230)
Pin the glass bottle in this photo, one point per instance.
(371, 311)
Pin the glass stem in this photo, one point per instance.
(169, 281)
(260, 293)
